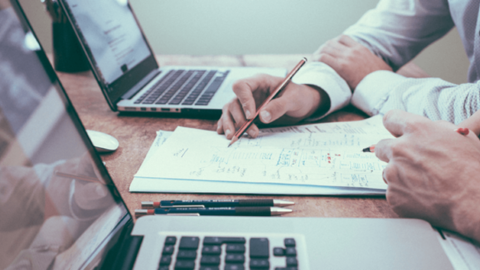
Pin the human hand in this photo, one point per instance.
(296, 102)
(351, 60)
(433, 172)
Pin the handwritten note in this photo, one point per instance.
(320, 154)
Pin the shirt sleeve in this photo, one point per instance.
(397, 30)
(434, 98)
(322, 76)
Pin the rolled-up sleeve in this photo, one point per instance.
(397, 31)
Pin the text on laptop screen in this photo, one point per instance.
(111, 33)
(56, 202)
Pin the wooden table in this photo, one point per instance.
(136, 134)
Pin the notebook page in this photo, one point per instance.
(330, 157)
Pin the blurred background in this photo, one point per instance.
(235, 27)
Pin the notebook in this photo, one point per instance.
(61, 210)
(128, 74)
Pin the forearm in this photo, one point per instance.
(433, 98)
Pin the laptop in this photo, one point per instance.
(128, 74)
(61, 210)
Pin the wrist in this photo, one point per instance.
(320, 103)
(466, 218)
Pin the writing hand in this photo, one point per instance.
(432, 172)
(351, 60)
(295, 103)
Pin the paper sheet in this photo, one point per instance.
(317, 155)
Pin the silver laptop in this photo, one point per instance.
(128, 74)
(60, 209)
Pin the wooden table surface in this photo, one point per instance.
(136, 134)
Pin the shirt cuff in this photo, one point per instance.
(373, 91)
(321, 75)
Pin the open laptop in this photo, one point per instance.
(128, 74)
(60, 209)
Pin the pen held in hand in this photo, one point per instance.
(272, 95)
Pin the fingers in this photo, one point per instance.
(383, 150)
(347, 41)
(399, 122)
(472, 123)
(232, 118)
(244, 90)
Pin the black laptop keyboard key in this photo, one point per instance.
(289, 242)
(210, 260)
(166, 260)
(187, 255)
(278, 251)
(199, 88)
(189, 242)
(235, 258)
(208, 267)
(235, 248)
(286, 268)
(259, 248)
(211, 250)
(170, 240)
(223, 240)
(168, 250)
(291, 251)
(292, 261)
(259, 264)
(234, 267)
(184, 265)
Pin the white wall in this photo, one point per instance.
(211, 27)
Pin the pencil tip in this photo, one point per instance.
(234, 139)
(366, 149)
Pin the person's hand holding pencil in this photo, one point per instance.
(295, 103)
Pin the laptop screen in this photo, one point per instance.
(58, 205)
(112, 34)
(114, 44)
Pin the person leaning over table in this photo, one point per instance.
(433, 172)
(358, 68)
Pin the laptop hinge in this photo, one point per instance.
(122, 250)
(137, 87)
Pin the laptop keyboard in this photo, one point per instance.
(228, 253)
(192, 87)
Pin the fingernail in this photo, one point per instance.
(227, 132)
(247, 114)
(265, 116)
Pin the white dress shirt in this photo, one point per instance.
(396, 31)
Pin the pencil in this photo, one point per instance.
(272, 95)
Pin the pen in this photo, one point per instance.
(215, 211)
(215, 203)
(272, 95)
(461, 131)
